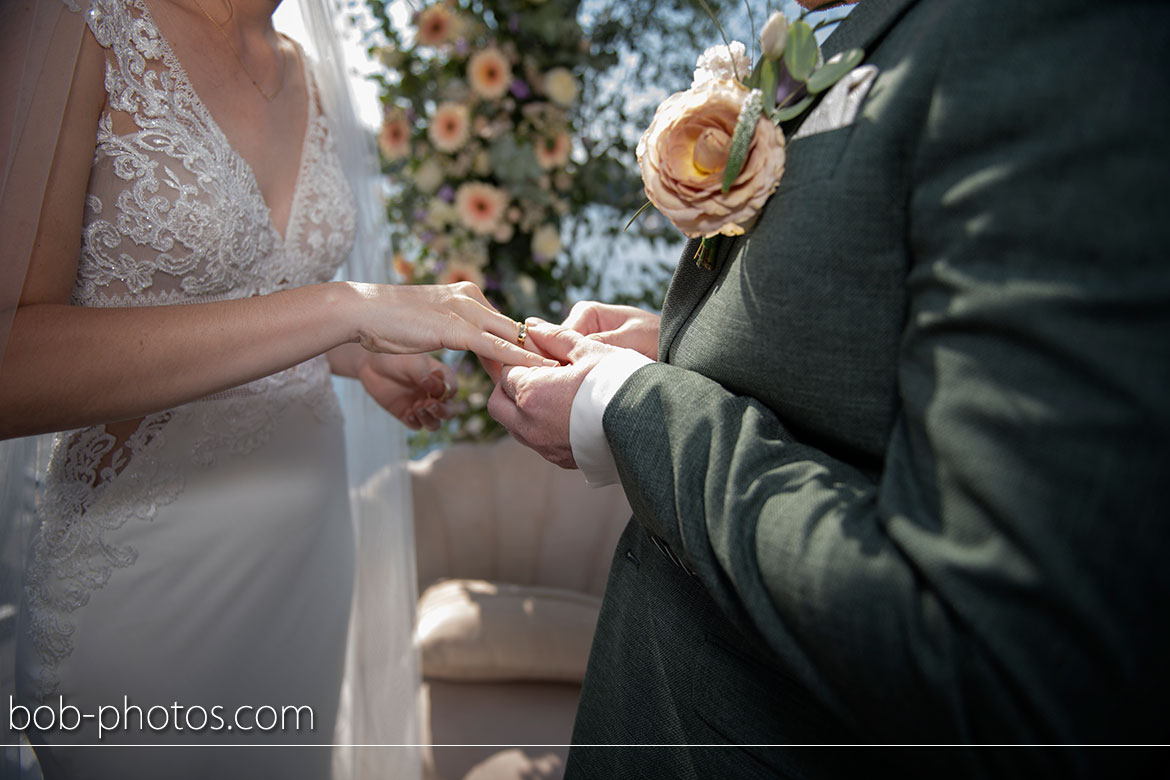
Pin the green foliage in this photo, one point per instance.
(558, 162)
(741, 139)
(561, 206)
(801, 52)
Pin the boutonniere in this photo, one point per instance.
(714, 154)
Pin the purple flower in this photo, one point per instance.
(520, 90)
(447, 193)
(789, 91)
(420, 215)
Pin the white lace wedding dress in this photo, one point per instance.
(205, 560)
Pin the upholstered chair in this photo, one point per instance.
(513, 555)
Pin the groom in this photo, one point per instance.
(898, 461)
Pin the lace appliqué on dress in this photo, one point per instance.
(173, 215)
(90, 489)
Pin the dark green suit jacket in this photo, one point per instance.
(900, 476)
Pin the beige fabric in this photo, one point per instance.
(531, 546)
(479, 630)
(497, 731)
(500, 512)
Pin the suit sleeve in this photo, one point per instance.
(1004, 577)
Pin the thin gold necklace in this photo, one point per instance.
(280, 50)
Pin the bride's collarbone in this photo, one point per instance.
(267, 134)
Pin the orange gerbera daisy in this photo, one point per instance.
(450, 127)
(480, 206)
(394, 139)
(435, 25)
(553, 151)
(489, 73)
(457, 271)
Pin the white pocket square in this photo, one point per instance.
(841, 104)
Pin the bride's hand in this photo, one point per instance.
(413, 388)
(407, 319)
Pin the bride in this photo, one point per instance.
(173, 211)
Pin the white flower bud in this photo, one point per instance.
(774, 36)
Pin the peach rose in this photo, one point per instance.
(684, 152)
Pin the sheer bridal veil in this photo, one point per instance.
(380, 696)
(39, 42)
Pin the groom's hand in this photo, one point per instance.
(622, 326)
(534, 403)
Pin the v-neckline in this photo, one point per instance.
(175, 65)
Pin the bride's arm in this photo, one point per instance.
(68, 366)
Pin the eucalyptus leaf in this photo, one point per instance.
(513, 162)
(741, 140)
(801, 51)
(768, 81)
(833, 70)
(791, 112)
(753, 79)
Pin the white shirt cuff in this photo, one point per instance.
(586, 433)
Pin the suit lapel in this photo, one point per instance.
(864, 25)
(687, 288)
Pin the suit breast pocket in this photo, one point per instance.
(813, 158)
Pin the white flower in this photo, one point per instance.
(561, 86)
(546, 242)
(527, 285)
(723, 63)
(429, 176)
(440, 214)
(774, 36)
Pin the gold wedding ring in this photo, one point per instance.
(521, 333)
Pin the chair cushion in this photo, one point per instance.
(481, 630)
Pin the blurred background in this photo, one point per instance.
(507, 131)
